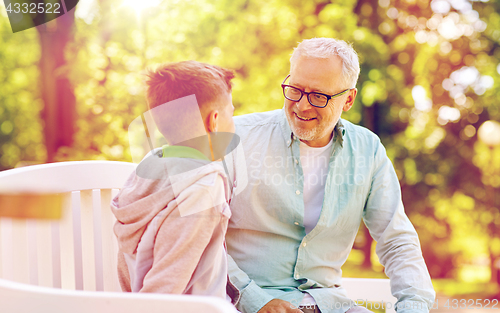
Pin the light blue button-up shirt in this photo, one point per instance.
(271, 256)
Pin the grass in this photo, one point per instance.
(444, 287)
(455, 288)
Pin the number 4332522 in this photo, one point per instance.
(34, 8)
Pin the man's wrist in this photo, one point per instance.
(253, 298)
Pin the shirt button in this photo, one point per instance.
(296, 223)
(296, 276)
(304, 244)
(288, 142)
(297, 192)
(296, 161)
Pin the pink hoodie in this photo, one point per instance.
(171, 229)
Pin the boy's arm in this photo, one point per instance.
(123, 274)
(182, 240)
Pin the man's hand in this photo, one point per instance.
(279, 306)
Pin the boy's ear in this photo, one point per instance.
(213, 121)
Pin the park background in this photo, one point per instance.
(428, 88)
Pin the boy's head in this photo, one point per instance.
(180, 120)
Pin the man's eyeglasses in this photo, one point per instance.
(316, 99)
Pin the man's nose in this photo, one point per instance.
(303, 104)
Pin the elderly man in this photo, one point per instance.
(312, 177)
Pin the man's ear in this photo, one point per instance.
(213, 121)
(350, 100)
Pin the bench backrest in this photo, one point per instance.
(77, 252)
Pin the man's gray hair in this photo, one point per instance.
(324, 48)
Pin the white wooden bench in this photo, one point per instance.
(374, 290)
(24, 298)
(71, 262)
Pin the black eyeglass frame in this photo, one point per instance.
(302, 93)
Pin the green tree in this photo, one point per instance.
(21, 136)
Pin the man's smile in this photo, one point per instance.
(303, 118)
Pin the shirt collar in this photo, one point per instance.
(290, 137)
(285, 129)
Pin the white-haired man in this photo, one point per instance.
(312, 178)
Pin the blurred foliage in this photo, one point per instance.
(467, 290)
(21, 136)
(429, 79)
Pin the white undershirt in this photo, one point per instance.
(315, 168)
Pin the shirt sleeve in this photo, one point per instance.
(252, 297)
(398, 246)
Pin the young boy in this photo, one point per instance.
(172, 213)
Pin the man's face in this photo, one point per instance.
(314, 126)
